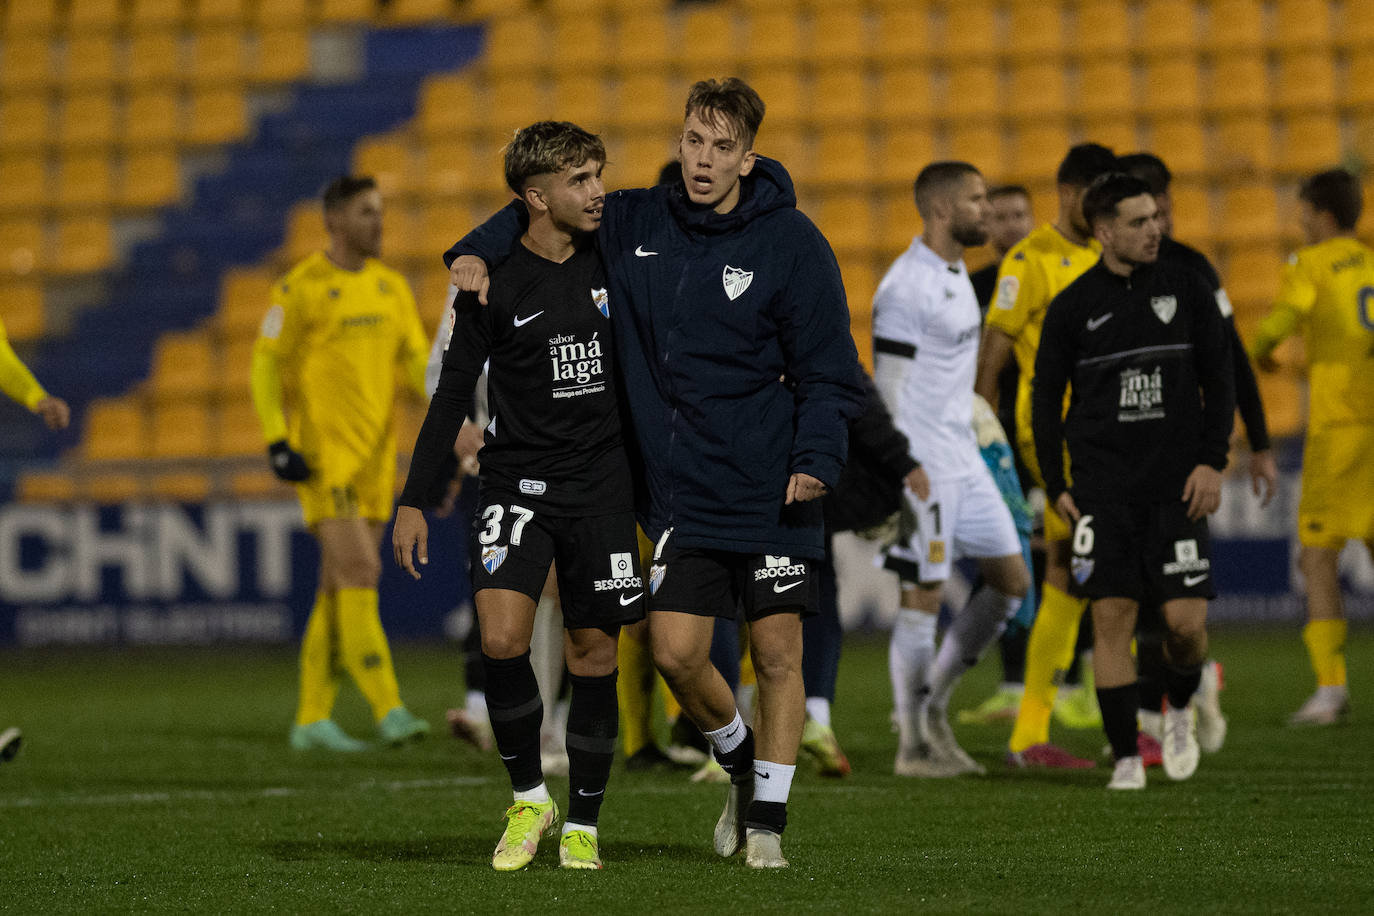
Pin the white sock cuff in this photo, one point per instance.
(919, 622)
(728, 737)
(539, 794)
(818, 708)
(772, 781)
(570, 826)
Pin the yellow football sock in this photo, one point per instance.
(365, 653)
(634, 690)
(1325, 641)
(1048, 655)
(319, 674)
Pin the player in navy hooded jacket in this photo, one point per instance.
(720, 288)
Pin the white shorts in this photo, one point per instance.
(964, 517)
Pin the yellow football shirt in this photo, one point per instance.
(1035, 270)
(1327, 293)
(16, 381)
(334, 340)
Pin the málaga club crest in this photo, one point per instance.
(736, 281)
(1164, 307)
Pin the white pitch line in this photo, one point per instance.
(154, 797)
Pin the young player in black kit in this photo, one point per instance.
(1153, 392)
(555, 482)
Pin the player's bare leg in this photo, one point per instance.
(1185, 651)
(775, 644)
(1324, 636)
(1117, 687)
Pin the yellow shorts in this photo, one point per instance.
(1056, 529)
(1337, 487)
(342, 488)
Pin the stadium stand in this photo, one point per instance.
(204, 120)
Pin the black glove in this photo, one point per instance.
(287, 463)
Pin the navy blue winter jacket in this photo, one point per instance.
(710, 312)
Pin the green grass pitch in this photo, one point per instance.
(160, 780)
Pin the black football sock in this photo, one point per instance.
(1119, 706)
(1180, 682)
(593, 722)
(516, 713)
(1013, 651)
(739, 763)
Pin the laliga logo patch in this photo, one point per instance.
(493, 557)
(656, 574)
(1165, 307)
(602, 302)
(736, 280)
(1082, 569)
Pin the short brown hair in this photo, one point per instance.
(343, 189)
(549, 146)
(732, 99)
(1335, 191)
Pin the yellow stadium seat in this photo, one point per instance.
(84, 179)
(216, 115)
(387, 158)
(898, 220)
(448, 105)
(706, 40)
(643, 46)
(773, 38)
(1301, 24)
(34, 17)
(848, 221)
(431, 298)
(154, 57)
(1239, 83)
(651, 101)
(1248, 213)
(46, 487)
(973, 92)
(1357, 91)
(1038, 90)
(25, 121)
(23, 181)
(842, 157)
(282, 13)
(904, 94)
(405, 240)
(512, 46)
(185, 364)
(1035, 30)
(151, 178)
(517, 100)
(91, 62)
(1356, 29)
(1168, 27)
(283, 55)
(1104, 87)
(305, 232)
(900, 151)
(1234, 25)
(1101, 27)
(1244, 143)
(26, 63)
(152, 117)
(179, 486)
(1170, 86)
(1037, 149)
(111, 487)
(841, 98)
(258, 484)
(1116, 131)
(21, 306)
(181, 429)
(81, 244)
(904, 34)
(144, 14)
(839, 35)
(217, 55)
(90, 15)
(88, 119)
(981, 143)
(1181, 143)
(636, 162)
(1306, 81)
(783, 92)
(344, 11)
(237, 429)
(1309, 143)
(970, 31)
(21, 242)
(1192, 209)
(245, 294)
(582, 98)
(417, 11)
(116, 429)
(220, 12)
(582, 45)
(236, 365)
(1252, 271)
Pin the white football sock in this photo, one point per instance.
(728, 737)
(976, 627)
(909, 654)
(818, 708)
(772, 781)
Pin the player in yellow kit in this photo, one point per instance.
(324, 384)
(1034, 271)
(1327, 295)
(19, 385)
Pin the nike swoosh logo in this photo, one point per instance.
(585, 794)
(637, 596)
(1099, 321)
(1190, 581)
(521, 322)
(511, 757)
(641, 253)
(779, 588)
(762, 775)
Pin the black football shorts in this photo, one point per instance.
(718, 583)
(1148, 552)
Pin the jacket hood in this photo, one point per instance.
(766, 188)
